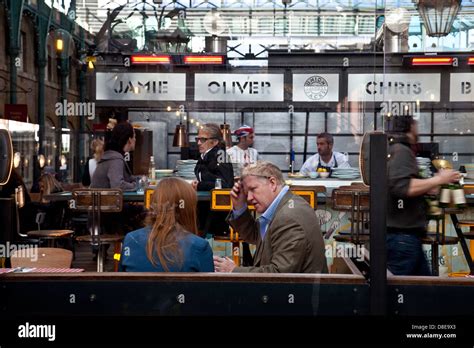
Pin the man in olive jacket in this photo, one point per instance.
(287, 234)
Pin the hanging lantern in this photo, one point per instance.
(226, 134)
(41, 161)
(16, 159)
(438, 15)
(180, 138)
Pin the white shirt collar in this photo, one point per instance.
(205, 153)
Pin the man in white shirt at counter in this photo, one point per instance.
(243, 153)
(325, 158)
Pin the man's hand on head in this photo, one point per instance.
(238, 197)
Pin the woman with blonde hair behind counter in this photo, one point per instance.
(170, 242)
(97, 147)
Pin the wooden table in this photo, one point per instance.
(24, 270)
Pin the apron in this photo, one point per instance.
(328, 169)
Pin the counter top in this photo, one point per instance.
(328, 183)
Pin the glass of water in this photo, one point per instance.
(141, 184)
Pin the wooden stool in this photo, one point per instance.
(309, 193)
(96, 201)
(235, 240)
(355, 200)
(51, 236)
(47, 258)
(468, 189)
(468, 235)
(220, 201)
(436, 239)
(105, 239)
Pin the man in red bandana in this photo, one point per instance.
(243, 153)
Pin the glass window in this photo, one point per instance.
(351, 123)
(454, 122)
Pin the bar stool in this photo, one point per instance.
(468, 189)
(309, 193)
(436, 239)
(96, 201)
(356, 201)
(50, 236)
(221, 201)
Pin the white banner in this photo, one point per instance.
(238, 87)
(140, 86)
(394, 87)
(316, 87)
(461, 87)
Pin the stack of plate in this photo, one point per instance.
(469, 171)
(185, 168)
(424, 167)
(345, 173)
(162, 173)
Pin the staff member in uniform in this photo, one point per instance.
(97, 148)
(325, 158)
(243, 153)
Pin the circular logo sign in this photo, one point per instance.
(316, 87)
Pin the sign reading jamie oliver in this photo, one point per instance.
(461, 87)
(394, 87)
(316, 87)
(238, 87)
(140, 86)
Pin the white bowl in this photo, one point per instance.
(324, 175)
(313, 175)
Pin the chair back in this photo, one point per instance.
(221, 201)
(355, 200)
(348, 198)
(95, 201)
(309, 193)
(103, 200)
(42, 258)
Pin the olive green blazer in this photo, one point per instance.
(293, 242)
